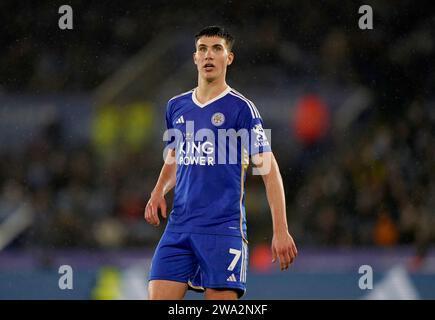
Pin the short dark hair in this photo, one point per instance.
(216, 31)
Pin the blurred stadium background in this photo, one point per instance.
(352, 114)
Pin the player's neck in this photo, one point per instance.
(209, 90)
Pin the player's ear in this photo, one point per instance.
(230, 58)
(194, 58)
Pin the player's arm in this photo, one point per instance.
(164, 184)
(283, 245)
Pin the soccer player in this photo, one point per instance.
(204, 245)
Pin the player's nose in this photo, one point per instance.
(208, 54)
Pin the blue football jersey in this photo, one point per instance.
(213, 142)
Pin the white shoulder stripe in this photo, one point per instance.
(255, 109)
(252, 107)
(249, 101)
(182, 94)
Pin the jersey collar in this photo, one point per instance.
(202, 105)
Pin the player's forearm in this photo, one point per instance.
(276, 197)
(167, 178)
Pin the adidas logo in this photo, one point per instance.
(180, 120)
(232, 278)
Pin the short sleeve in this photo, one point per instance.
(250, 120)
(169, 116)
(169, 125)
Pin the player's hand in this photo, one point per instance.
(283, 248)
(156, 201)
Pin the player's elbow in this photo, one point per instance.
(265, 164)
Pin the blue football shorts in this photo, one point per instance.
(202, 261)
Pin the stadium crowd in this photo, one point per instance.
(376, 186)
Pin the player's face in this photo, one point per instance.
(212, 57)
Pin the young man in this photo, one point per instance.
(204, 246)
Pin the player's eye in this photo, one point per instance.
(202, 49)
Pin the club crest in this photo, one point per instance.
(218, 119)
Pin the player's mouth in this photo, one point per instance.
(208, 67)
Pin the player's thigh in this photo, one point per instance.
(166, 290)
(221, 294)
(223, 262)
(173, 259)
